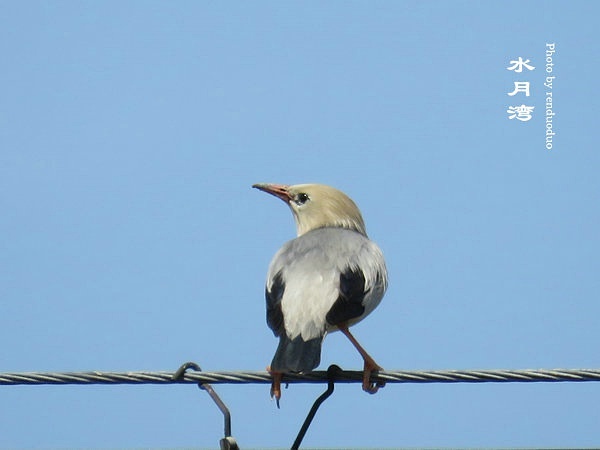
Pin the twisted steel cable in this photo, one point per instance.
(350, 376)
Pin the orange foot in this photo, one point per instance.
(370, 367)
(275, 385)
(370, 364)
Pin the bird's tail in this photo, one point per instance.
(296, 355)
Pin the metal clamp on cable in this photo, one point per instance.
(228, 442)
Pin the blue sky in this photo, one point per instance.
(131, 135)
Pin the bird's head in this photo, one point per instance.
(317, 206)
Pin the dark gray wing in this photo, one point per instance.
(349, 302)
(273, 297)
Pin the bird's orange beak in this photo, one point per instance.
(278, 190)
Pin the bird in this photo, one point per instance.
(328, 278)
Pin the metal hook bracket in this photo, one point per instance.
(228, 442)
(332, 371)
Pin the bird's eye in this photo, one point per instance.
(301, 199)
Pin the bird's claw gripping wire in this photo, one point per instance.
(367, 385)
(369, 367)
(275, 385)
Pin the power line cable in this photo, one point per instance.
(263, 377)
(333, 375)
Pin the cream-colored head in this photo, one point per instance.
(317, 206)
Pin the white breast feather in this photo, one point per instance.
(311, 267)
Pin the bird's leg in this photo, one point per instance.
(369, 366)
(275, 384)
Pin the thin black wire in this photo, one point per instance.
(331, 373)
(345, 376)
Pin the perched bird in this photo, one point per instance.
(328, 278)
